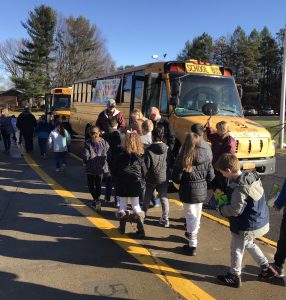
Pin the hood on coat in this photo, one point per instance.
(202, 156)
(251, 185)
(158, 148)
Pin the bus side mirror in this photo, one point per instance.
(210, 109)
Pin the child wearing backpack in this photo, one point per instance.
(156, 177)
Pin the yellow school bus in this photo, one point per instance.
(179, 89)
(58, 102)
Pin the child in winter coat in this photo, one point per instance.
(128, 171)
(192, 171)
(95, 156)
(43, 130)
(146, 137)
(6, 128)
(156, 177)
(280, 255)
(221, 142)
(248, 216)
(59, 140)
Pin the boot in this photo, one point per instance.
(123, 217)
(139, 217)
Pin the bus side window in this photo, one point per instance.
(127, 88)
(164, 101)
(153, 93)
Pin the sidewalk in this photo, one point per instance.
(50, 250)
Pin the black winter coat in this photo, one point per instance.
(26, 122)
(156, 163)
(193, 185)
(169, 135)
(128, 171)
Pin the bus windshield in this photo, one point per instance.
(197, 90)
(62, 101)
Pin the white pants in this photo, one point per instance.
(193, 214)
(134, 203)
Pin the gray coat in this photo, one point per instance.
(96, 157)
(193, 185)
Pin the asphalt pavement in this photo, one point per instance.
(54, 246)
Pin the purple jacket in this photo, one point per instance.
(220, 145)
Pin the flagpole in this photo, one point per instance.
(283, 94)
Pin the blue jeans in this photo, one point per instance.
(43, 145)
(60, 159)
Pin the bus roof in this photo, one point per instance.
(155, 65)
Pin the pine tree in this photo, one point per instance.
(269, 62)
(201, 48)
(35, 59)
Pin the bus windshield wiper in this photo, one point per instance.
(229, 110)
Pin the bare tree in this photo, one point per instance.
(80, 51)
(9, 50)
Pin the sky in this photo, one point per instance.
(135, 30)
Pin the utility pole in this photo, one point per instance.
(283, 94)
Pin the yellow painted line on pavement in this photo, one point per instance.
(206, 215)
(225, 223)
(181, 285)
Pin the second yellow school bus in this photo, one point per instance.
(179, 89)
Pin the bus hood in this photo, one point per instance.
(239, 127)
(252, 139)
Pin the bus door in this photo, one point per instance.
(152, 92)
(137, 93)
(48, 99)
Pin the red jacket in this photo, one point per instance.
(103, 120)
(220, 145)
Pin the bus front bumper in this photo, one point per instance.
(265, 166)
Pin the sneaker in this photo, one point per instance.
(279, 270)
(267, 273)
(187, 235)
(63, 167)
(164, 222)
(156, 203)
(191, 251)
(230, 280)
(57, 170)
(98, 206)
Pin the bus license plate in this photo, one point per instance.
(248, 166)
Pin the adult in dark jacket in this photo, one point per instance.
(128, 171)
(110, 112)
(156, 177)
(6, 128)
(95, 156)
(192, 171)
(158, 120)
(113, 137)
(27, 123)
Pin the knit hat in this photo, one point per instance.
(111, 103)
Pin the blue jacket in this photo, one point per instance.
(43, 130)
(247, 210)
(281, 200)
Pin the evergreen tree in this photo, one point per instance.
(221, 52)
(269, 62)
(35, 58)
(201, 48)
